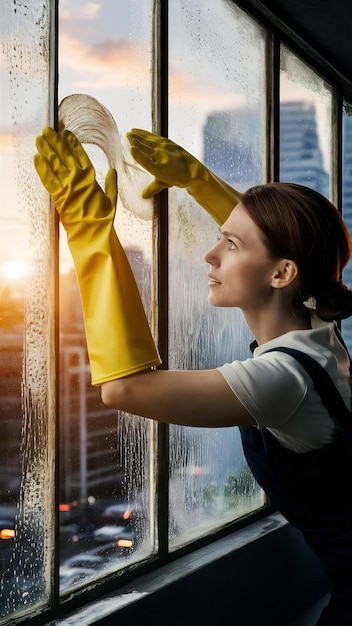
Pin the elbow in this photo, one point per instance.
(110, 394)
(124, 393)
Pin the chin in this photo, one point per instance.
(217, 302)
(212, 300)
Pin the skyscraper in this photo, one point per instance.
(230, 146)
(301, 159)
(231, 140)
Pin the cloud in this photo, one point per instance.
(6, 144)
(70, 14)
(185, 89)
(107, 64)
(91, 10)
(123, 64)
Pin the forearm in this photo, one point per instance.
(216, 196)
(118, 336)
(200, 398)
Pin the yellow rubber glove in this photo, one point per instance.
(118, 336)
(172, 165)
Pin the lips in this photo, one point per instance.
(213, 281)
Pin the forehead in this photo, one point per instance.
(241, 226)
(239, 222)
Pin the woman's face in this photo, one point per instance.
(240, 272)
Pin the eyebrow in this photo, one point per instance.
(227, 233)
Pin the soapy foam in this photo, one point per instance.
(92, 123)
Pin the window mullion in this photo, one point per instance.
(160, 125)
(273, 107)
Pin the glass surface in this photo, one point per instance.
(305, 125)
(217, 112)
(26, 315)
(347, 204)
(106, 480)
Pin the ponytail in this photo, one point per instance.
(335, 303)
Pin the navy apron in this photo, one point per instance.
(313, 490)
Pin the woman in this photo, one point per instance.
(281, 251)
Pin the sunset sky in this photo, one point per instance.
(105, 52)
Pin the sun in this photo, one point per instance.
(14, 269)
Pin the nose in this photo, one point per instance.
(212, 257)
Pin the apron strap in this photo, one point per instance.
(324, 384)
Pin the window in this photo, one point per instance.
(27, 296)
(107, 485)
(84, 492)
(216, 115)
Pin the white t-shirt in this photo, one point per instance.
(279, 394)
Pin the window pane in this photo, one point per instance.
(26, 314)
(347, 204)
(106, 482)
(217, 112)
(305, 125)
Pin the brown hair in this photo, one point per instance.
(298, 223)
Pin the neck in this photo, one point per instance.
(271, 324)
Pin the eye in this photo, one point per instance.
(232, 245)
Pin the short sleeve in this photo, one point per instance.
(271, 387)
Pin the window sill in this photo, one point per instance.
(264, 572)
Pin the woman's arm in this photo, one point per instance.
(188, 398)
(172, 165)
(119, 339)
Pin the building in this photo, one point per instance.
(301, 159)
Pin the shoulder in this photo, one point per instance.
(322, 344)
(271, 386)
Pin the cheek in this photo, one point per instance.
(248, 271)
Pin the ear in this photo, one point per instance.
(285, 274)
